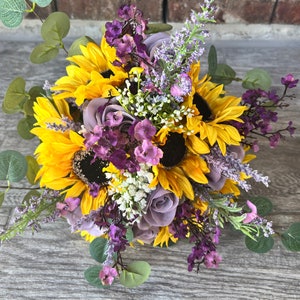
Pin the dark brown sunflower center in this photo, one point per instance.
(202, 106)
(173, 150)
(107, 74)
(88, 169)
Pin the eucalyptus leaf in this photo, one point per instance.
(92, 276)
(2, 197)
(264, 205)
(55, 28)
(29, 195)
(135, 274)
(98, 249)
(158, 27)
(129, 234)
(42, 3)
(257, 79)
(43, 53)
(223, 74)
(75, 47)
(291, 237)
(212, 60)
(12, 12)
(13, 166)
(24, 127)
(33, 168)
(34, 92)
(15, 96)
(261, 244)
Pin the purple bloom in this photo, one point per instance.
(289, 81)
(144, 130)
(182, 86)
(147, 235)
(275, 139)
(148, 153)
(212, 260)
(113, 31)
(291, 129)
(161, 209)
(69, 205)
(154, 41)
(107, 275)
(117, 237)
(251, 215)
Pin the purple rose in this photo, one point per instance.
(154, 41)
(161, 209)
(147, 236)
(108, 112)
(215, 178)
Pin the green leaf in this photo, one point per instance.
(98, 248)
(261, 244)
(92, 276)
(42, 3)
(257, 78)
(43, 53)
(129, 234)
(15, 96)
(75, 47)
(291, 237)
(135, 274)
(158, 27)
(13, 166)
(264, 205)
(2, 197)
(223, 74)
(212, 60)
(24, 126)
(11, 12)
(29, 195)
(33, 168)
(55, 28)
(34, 92)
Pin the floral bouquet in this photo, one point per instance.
(137, 146)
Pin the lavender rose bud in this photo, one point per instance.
(215, 178)
(147, 236)
(109, 112)
(161, 209)
(155, 40)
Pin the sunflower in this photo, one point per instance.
(213, 109)
(91, 75)
(65, 162)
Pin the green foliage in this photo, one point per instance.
(264, 205)
(291, 237)
(42, 3)
(92, 276)
(15, 96)
(24, 126)
(212, 60)
(129, 234)
(260, 243)
(11, 12)
(53, 30)
(158, 27)
(98, 249)
(2, 197)
(257, 78)
(13, 166)
(75, 47)
(135, 274)
(33, 168)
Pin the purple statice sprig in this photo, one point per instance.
(192, 224)
(262, 113)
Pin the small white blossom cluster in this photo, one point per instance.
(131, 193)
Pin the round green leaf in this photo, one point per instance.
(291, 237)
(15, 96)
(13, 166)
(75, 47)
(11, 12)
(158, 27)
(223, 74)
(42, 3)
(92, 276)
(261, 245)
(264, 205)
(33, 168)
(98, 249)
(24, 127)
(129, 234)
(136, 273)
(43, 53)
(55, 28)
(257, 78)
